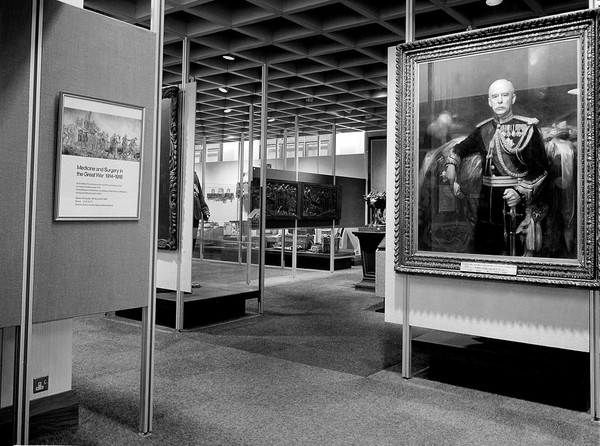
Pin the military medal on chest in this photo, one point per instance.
(511, 134)
(508, 141)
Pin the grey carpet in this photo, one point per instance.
(319, 368)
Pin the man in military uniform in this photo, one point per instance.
(515, 166)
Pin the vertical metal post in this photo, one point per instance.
(594, 332)
(332, 235)
(406, 328)
(295, 236)
(282, 259)
(366, 165)
(240, 197)
(296, 145)
(185, 61)
(179, 295)
(410, 21)
(594, 326)
(149, 312)
(21, 376)
(263, 185)
(284, 155)
(203, 157)
(249, 190)
(284, 151)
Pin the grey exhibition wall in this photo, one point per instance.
(86, 267)
(15, 40)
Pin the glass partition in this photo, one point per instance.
(230, 237)
(225, 255)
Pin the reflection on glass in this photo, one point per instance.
(311, 147)
(324, 149)
(497, 149)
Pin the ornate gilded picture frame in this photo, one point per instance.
(496, 153)
(168, 194)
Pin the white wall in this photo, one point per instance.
(540, 315)
(78, 3)
(222, 175)
(173, 267)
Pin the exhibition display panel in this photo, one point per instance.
(78, 249)
(112, 246)
(13, 170)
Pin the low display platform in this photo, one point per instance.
(310, 260)
(536, 373)
(205, 305)
(306, 259)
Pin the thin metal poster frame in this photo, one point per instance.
(149, 312)
(25, 328)
(406, 328)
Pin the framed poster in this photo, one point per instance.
(496, 153)
(98, 167)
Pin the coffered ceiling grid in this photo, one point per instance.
(326, 58)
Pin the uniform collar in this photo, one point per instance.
(504, 120)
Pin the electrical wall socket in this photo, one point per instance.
(40, 384)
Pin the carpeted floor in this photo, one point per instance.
(320, 367)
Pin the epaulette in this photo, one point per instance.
(484, 122)
(530, 121)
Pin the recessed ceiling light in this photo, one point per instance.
(227, 110)
(223, 90)
(493, 2)
(271, 120)
(228, 57)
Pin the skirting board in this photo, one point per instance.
(51, 413)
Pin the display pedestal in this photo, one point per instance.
(369, 238)
(206, 305)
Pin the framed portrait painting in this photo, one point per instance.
(496, 153)
(98, 168)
